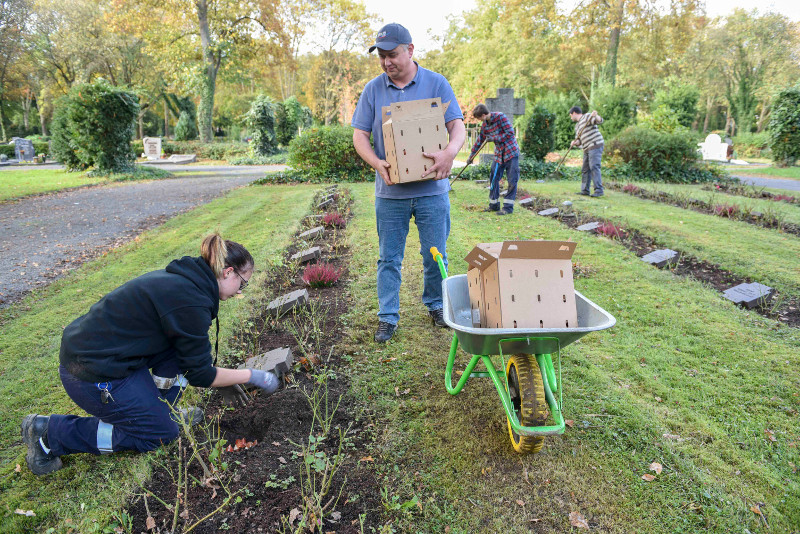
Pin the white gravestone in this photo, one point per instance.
(152, 147)
(713, 148)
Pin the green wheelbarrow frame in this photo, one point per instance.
(545, 344)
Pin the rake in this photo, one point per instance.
(467, 165)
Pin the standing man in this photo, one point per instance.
(403, 79)
(588, 137)
(498, 129)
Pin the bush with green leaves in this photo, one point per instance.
(751, 145)
(617, 107)
(186, 128)
(327, 152)
(538, 138)
(662, 119)
(260, 119)
(290, 117)
(784, 128)
(657, 156)
(93, 126)
(680, 99)
(559, 104)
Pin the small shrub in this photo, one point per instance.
(785, 198)
(320, 275)
(751, 145)
(784, 128)
(93, 126)
(334, 219)
(538, 136)
(726, 210)
(328, 152)
(631, 188)
(610, 230)
(185, 129)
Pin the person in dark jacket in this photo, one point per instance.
(158, 321)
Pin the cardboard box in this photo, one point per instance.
(522, 284)
(409, 129)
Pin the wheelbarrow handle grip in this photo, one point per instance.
(438, 258)
(436, 254)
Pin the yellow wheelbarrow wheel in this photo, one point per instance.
(526, 390)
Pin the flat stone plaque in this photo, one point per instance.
(567, 203)
(549, 212)
(325, 203)
(287, 302)
(588, 227)
(279, 361)
(661, 258)
(305, 256)
(311, 234)
(526, 201)
(749, 295)
(481, 181)
(503, 192)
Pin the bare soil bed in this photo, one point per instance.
(266, 446)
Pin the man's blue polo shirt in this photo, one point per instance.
(380, 92)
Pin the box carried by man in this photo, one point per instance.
(409, 129)
(522, 284)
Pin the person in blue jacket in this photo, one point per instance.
(157, 322)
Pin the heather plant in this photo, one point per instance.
(631, 188)
(726, 210)
(610, 230)
(785, 198)
(320, 275)
(334, 219)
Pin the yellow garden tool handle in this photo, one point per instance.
(438, 258)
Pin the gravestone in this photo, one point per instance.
(305, 256)
(503, 192)
(311, 234)
(325, 203)
(314, 218)
(749, 295)
(567, 203)
(481, 181)
(661, 258)
(549, 212)
(279, 361)
(23, 149)
(287, 302)
(588, 227)
(182, 159)
(526, 201)
(152, 148)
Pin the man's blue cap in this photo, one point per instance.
(390, 36)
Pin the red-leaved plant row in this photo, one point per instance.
(630, 188)
(334, 219)
(725, 210)
(320, 275)
(786, 198)
(610, 230)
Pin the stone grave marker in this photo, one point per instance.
(182, 159)
(311, 234)
(278, 361)
(508, 105)
(526, 201)
(749, 295)
(152, 148)
(588, 227)
(504, 192)
(23, 149)
(567, 203)
(549, 212)
(287, 302)
(481, 181)
(325, 203)
(661, 258)
(305, 256)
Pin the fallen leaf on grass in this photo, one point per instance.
(18, 469)
(27, 513)
(648, 477)
(577, 520)
(569, 422)
(520, 502)
(150, 523)
(770, 435)
(366, 459)
(756, 509)
(657, 467)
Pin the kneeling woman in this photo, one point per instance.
(158, 321)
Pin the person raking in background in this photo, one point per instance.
(498, 129)
(588, 137)
(158, 321)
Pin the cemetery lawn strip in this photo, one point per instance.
(768, 172)
(18, 184)
(684, 379)
(31, 329)
(764, 255)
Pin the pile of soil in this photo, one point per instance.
(787, 310)
(262, 481)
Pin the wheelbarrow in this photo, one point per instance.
(530, 389)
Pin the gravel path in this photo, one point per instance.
(777, 183)
(43, 237)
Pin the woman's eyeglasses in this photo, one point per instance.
(243, 283)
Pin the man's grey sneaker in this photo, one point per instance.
(437, 317)
(34, 427)
(596, 194)
(491, 209)
(584, 193)
(505, 212)
(385, 331)
(191, 416)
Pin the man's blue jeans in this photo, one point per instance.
(591, 170)
(432, 217)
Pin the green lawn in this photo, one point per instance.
(774, 172)
(90, 490)
(685, 379)
(16, 184)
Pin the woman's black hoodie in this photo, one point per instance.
(161, 311)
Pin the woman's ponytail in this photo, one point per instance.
(221, 253)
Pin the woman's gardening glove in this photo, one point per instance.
(234, 395)
(266, 380)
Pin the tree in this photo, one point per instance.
(538, 138)
(784, 128)
(617, 106)
(261, 121)
(680, 99)
(13, 14)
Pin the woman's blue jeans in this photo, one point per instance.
(432, 217)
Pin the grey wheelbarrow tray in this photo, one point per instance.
(481, 343)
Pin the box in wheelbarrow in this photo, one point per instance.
(409, 129)
(522, 284)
